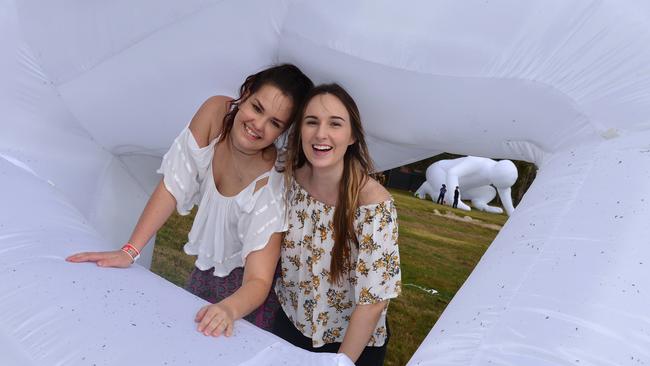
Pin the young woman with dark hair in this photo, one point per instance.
(224, 162)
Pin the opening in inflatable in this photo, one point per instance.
(93, 93)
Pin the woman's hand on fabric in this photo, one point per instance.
(115, 258)
(214, 320)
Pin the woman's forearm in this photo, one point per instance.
(259, 271)
(247, 298)
(362, 324)
(158, 209)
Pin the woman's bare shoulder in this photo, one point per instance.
(373, 192)
(208, 119)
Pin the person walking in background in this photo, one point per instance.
(441, 196)
(456, 196)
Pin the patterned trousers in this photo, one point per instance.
(213, 289)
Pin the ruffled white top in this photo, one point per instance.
(225, 229)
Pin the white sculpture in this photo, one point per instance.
(476, 178)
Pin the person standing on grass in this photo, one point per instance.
(224, 162)
(339, 258)
(441, 196)
(456, 196)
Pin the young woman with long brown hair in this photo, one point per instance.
(339, 257)
(224, 162)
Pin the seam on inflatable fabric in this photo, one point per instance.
(255, 358)
(135, 150)
(574, 104)
(27, 50)
(99, 185)
(63, 198)
(538, 156)
(551, 234)
(381, 168)
(145, 36)
(92, 213)
(128, 172)
(515, 47)
(426, 154)
(25, 47)
(28, 53)
(21, 165)
(280, 30)
(380, 139)
(92, 216)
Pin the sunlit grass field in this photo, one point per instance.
(437, 252)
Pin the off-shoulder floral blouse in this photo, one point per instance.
(319, 309)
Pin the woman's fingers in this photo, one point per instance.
(200, 315)
(85, 257)
(229, 329)
(206, 319)
(214, 324)
(75, 257)
(221, 328)
(115, 258)
(213, 321)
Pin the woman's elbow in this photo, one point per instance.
(375, 309)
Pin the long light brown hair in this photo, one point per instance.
(357, 166)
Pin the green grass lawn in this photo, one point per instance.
(437, 252)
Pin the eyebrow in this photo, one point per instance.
(259, 104)
(331, 117)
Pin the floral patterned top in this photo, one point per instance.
(319, 309)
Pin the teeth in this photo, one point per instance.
(250, 132)
(322, 147)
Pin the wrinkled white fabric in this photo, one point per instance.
(93, 93)
(57, 313)
(225, 229)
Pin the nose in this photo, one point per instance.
(321, 131)
(258, 124)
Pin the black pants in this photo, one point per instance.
(284, 328)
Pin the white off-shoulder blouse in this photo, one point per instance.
(321, 310)
(225, 229)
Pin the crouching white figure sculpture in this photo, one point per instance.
(477, 178)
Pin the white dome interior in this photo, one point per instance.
(93, 92)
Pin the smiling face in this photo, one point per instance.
(261, 118)
(325, 132)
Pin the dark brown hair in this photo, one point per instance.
(286, 77)
(357, 166)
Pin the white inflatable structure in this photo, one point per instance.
(479, 180)
(93, 92)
